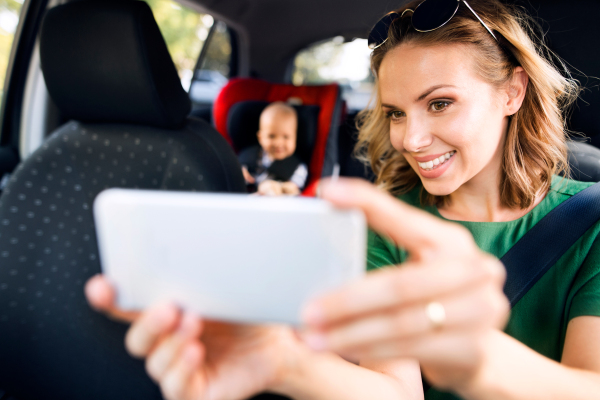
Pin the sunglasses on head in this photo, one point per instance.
(428, 16)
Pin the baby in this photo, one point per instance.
(272, 166)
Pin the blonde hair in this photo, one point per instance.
(535, 147)
(279, 108)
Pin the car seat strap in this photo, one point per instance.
(544, 244)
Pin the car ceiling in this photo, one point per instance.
(274, 30)
(277, 29)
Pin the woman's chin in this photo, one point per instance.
(439, 188)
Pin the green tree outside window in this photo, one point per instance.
(9, 19)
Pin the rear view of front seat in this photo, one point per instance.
(107, 68)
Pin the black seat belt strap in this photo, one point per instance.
(544, 244)
(541, 247)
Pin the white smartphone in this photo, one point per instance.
(226, 256)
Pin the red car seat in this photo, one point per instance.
(238, 106)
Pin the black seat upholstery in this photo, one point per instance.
(348, 138)
(569, 29)
(107, 68)
(584, 162)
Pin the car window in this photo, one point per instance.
(9, 19)
(215, 68)
(334, 60)
(185, 32)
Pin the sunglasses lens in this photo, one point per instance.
(380, 31)
(431, 14)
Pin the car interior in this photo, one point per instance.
(92, 99)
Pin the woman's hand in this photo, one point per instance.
(437, 308)
(198, 359)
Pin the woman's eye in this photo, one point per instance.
(396, 114)
(439, 105)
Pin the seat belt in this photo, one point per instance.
(541, 247)
(544, 244)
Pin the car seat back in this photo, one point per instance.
(107, 68)
(569, 28)
(240, 102)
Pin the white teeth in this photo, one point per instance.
(436, 161)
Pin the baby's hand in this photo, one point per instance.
(290, 188)
(270, 188)
(249, 179)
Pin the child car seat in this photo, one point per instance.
(238, 106)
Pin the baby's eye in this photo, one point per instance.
(396, 115)
(438, 106)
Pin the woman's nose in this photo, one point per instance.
(416, 136)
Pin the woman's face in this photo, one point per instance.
(449, 124)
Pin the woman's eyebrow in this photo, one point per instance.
(423, 96)
(431, 90)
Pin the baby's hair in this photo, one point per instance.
(281, 108)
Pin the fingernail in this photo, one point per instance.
(316, 341)
(187, 325)
(333, 190)
(313, 315)
(192, 354)
(162, 316)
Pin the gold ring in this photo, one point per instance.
(436, 314)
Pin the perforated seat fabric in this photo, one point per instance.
(48, 249)
(52, 345)
(327, 97)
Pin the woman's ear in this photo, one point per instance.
(516, 91)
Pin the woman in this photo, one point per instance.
(467, 126)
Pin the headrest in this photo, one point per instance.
(243, 122)
(106, 61)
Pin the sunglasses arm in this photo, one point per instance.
(479, 19)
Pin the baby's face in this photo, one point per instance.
(277, 135)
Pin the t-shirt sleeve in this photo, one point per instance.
(381, 252)
(300, 175)
(586, 300)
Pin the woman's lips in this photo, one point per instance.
(435, 167)
(433, 161)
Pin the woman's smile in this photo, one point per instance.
(429, 163)
(434, 166)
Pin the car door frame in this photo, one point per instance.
(32, 13)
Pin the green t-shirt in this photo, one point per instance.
(570, 288)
